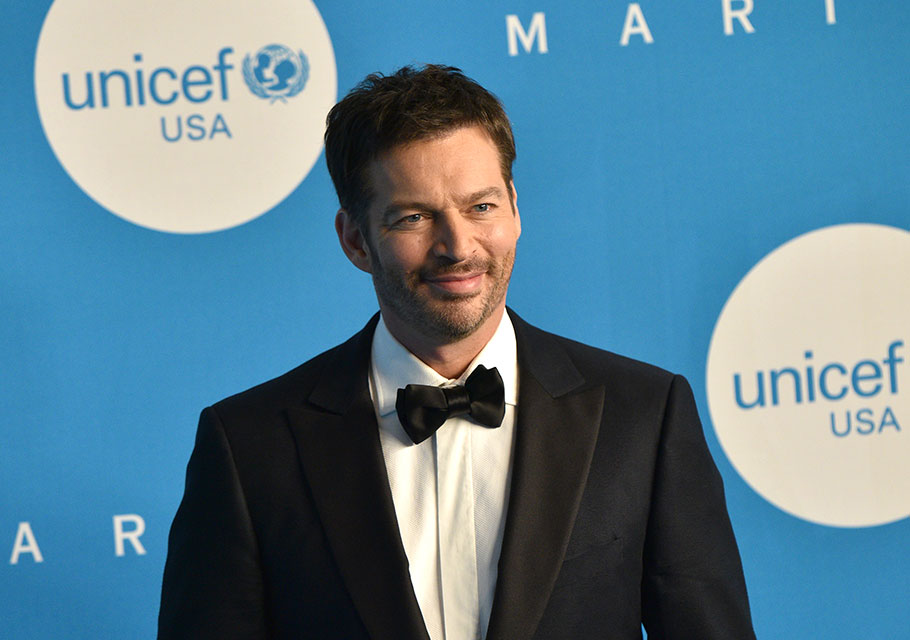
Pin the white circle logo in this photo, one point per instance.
(182, 116)
(809, 376)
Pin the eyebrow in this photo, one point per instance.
(396, 207)
(484, 193)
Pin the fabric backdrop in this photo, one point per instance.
(718, 187)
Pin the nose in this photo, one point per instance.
(454, 239)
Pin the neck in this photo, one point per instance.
(448, 359)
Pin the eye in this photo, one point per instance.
(409, 219)
(482, 208)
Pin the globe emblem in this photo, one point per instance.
(275, 72)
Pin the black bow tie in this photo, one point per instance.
(422, 409)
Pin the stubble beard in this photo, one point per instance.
(440, 316)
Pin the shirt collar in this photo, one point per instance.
(392, 366)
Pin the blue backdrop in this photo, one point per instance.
(651, 177)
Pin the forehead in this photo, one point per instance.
(464, 160)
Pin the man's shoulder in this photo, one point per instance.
(296, 387)
(291, 387)
(596, 365)
(603, 359)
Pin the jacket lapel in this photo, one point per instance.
(558, 421)
(341, 455)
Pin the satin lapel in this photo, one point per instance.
(558, 423)
(341, 456)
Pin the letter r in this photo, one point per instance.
(741, 14)
(132, 534)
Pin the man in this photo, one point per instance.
(533, 488)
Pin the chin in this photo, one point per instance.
(455, 320)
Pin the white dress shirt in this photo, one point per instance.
(451, 491)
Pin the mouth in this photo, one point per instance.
(456, 283)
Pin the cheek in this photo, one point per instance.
(501, 239)
(402, 254)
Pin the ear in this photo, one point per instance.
(353, 243)
(515, 209)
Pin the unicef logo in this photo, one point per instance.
(808, 376)
(276, 72)
(156, 115)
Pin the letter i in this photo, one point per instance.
(810, 379)
(140, 87)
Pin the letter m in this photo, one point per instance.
(517, 32)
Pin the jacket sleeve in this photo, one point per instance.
(213, 586)
(693, 585)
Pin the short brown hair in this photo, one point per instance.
(412, 104)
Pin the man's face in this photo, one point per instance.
(440, 234)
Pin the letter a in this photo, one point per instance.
(516, 32)
(132, 535)
(635, 24)
(889, 420)
(740, 14)
(25, 543)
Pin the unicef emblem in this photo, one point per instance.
(276, 72)
(808, 375)
(185, 109)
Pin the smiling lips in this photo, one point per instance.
(457, 283)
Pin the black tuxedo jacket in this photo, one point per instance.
(616, 514)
